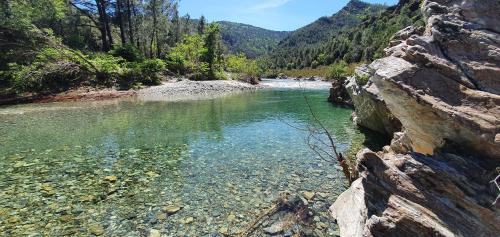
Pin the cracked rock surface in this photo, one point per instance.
(442, 83)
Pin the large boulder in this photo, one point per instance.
(338, 92)
(370, 109)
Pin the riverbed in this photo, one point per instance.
(131, 167)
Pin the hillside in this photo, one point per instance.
(250, 40)
(358, 32)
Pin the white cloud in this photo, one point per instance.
(268, 4)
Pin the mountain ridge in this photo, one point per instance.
(250, 40)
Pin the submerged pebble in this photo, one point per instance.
(204, 168)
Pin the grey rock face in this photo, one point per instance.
(371, 110)
(443, 84)
(418, 195)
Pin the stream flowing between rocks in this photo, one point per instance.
(192, 168)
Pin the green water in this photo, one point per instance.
(222, 160)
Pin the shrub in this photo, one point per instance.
(145, 73)
(236, 63)
(150, 70)
(176, 63)
(314, 64)
(128, 52)
(50, 77)
(52, 70)
(129, 78)
(109, 67)
(337, 70)
(362, 79)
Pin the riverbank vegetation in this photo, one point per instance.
(49, 46)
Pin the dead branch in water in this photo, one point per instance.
(326, 155)
(285, 201)
(326, 150)
(495, 181)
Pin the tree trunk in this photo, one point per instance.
(130, 25)
(106, 22)
(154, 34)
(134, 11)
(102, 26)
(119, 11)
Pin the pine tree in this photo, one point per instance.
(201, 25)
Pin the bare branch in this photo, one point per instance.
(84, 12)
(318, 145)
(495, 181)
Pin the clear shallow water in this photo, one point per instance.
(111, 167)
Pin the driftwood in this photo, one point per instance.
(285, 201)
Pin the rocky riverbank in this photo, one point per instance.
(441, 85)
(172, 90)
(192, 90)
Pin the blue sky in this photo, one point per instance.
(269, 14)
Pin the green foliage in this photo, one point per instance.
(200, 56)
(337, 70)
(147, 72)
(150, 70)
(244, 69)
(314, 64)
(359, 32)
(236, 63)
(128, 52)
(21, 14)
(362, 79)
(52, 70)
(213, 55)
(320, 71)
(186, 57)
(249, 40)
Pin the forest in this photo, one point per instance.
(357, 33)
(54, 45)
(50, 46)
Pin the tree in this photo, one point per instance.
(186, 30)
(88, 8)
(176, 31)
(121, 20)
(213, 55)
(129, 5)
(201, 25)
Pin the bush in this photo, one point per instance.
(314, 64)
(52, 70)
(129, 78)
(128, 52)
(337, 70)
(150, 70)
(109, 68)
(362, 79)
(50, 77)
(236, 63)
(176, 63)
(145, 73)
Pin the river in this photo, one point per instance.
(113, 168)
